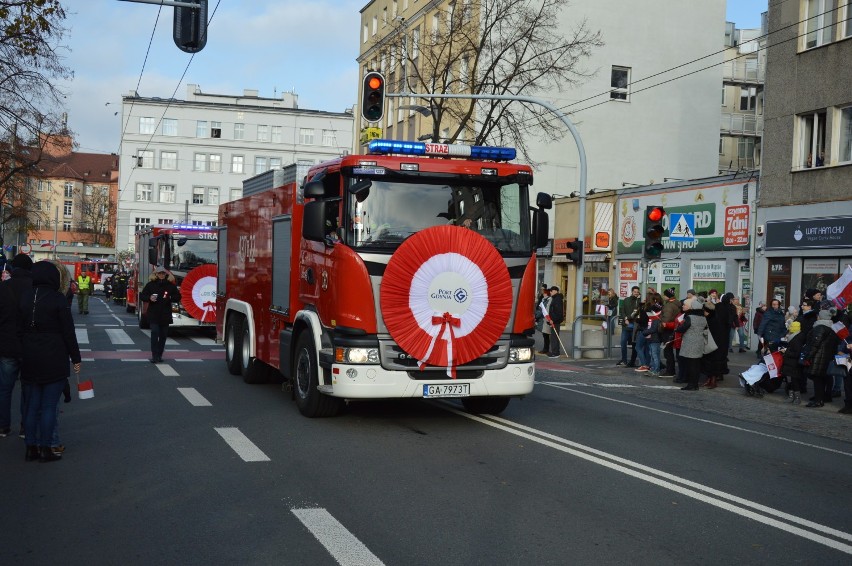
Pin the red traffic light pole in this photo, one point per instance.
(581, 218)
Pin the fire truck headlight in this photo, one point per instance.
(356, 355)
(520, 355)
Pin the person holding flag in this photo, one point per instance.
(541, 317)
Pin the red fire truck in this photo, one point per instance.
(189, 253)
(97, 270)
(406, 273)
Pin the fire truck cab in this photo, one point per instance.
(406, 273)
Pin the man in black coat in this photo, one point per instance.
(557, 315)
(160, 294)
(11, 292)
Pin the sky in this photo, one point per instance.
(306, 46)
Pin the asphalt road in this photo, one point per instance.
(182, 463)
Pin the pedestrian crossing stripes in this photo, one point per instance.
(118, 336)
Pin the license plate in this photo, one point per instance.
(447, 390)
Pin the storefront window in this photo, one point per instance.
(708, 275)
(595, 285)
(819, 274)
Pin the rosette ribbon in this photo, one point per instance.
(447, 322)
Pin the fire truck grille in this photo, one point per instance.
(395, 358)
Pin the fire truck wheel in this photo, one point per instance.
(233, 335)
(487, 405)
(249, 366)
(310, 401)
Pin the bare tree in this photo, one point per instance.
(97, 212)
(505, 47)
(30, 100)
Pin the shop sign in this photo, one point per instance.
(668, 271)
(820, 266)
(721, 217)
(708, 270)
(816, 233)
(628, 271)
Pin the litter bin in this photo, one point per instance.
(591, 339)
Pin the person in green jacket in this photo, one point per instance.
(84, 289)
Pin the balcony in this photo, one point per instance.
(742, 124)
(744, 72)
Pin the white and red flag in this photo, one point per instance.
(841, 330)
(546, 315)
(840, 292)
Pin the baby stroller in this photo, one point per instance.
(756, 380)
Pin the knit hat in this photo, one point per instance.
(697, 302)
(670, 292)
(23, 261)
(795, 326)
(825, 315)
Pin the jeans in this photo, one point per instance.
(654, 350)
(738, 331)
(642, 349)
(626, 332)
(42, 400)
(10, 368)
(159, 334)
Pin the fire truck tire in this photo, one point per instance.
(485, 405)
(233, 336)
(309, 400)
(249, 367)
(130, 308)
(143, 319)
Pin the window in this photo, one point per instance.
(215, 163)
(166, 221)
(415, 43)
(436, 20)
(724, 91)
(721, 145)
(239, 131)
(167, 193)
(819, 20)
(259, 165)
(845, 154)
(145, 158)
(306, 136)
(198, 195)
(276, 134)
(197, 223)
(847, 21)
(394, 9)
(69, 190)
(168, 160)
(748, 98)
(236, 193)
(147, 125)
(812, 140)
(384, 16)
(375, 24)
(170, 127)
(88, 190)
(143, 192)
(68, 208)
(237, 162)
(463, 71)
(213, 196)
(200, 162)
(263, 133)
(302, 167)
(215, 129)
(620, 83)
(328, 138)
(366, 33)
(275, 163)
(141, 224)
(201, 129)
(745, 148)
(66, 226)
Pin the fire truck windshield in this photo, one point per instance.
(188, 253)
(386, 213)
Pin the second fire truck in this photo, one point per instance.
(406, 273)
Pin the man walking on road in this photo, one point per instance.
(84, 289)
(557, 315)
(160, 293)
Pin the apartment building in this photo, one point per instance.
(804, 219)
(181, 158)
(743, 77)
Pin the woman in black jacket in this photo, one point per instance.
(790, 368)
(160, 293)
(49, 341)
(820, 345)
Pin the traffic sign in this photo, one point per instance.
(682, 227)
(25, 249)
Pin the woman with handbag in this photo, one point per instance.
(692, 347)
(49, 341)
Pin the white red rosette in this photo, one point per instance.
(446, 296)
(198, 293)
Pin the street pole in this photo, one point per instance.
(55, 231)
(581, 219)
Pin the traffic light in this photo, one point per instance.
(190, 27)
(654, 232)
(575, 252)
(373, 101)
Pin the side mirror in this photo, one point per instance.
(313, 222)
(315, 189)
(152, 255)
(361, 189)
(541, 224)
(544, 201)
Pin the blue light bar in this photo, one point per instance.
(442, 149)
(193, 227)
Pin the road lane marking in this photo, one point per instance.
(82, 335)
(167, 370)
(707, 421)
(240, 444)
(195, 398)
(192, 360)
(343, 545)
(118, 336)
(203, 341)
(668, 481)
